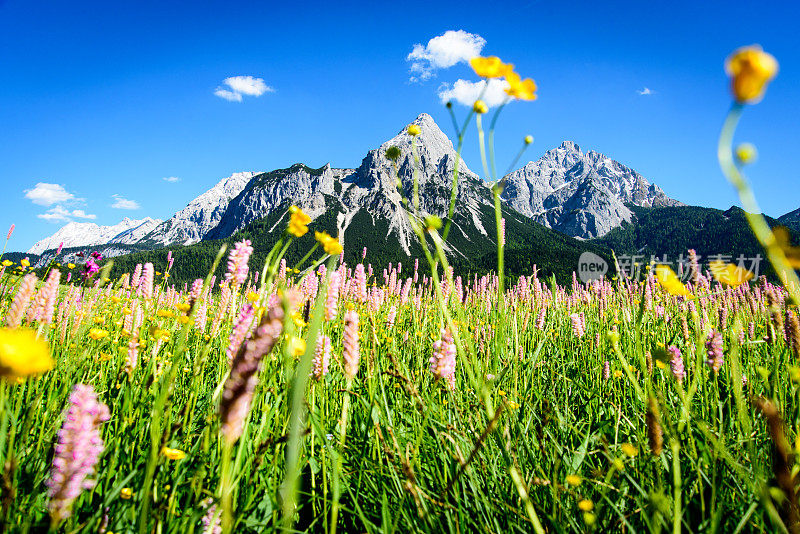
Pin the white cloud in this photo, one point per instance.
(122, 203)
(59, 213)
(646, 91)
(228, 95)
(171, 179)
(466, 92)
(443, 52)
(247, 85)
(242, 85)
(45, 194)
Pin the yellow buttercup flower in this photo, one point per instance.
(480, 107)
(414, 130)
(573, 480)
(97, 333)
(126, 493)
(298, 222)
(297, 346)
(330, 244)
(750, 69)
(22, 354)
(519, 88)
(490, 67)
(629, 449)
(729, 274)
(586, 505)
(7, 263)
(173, 454)
(183, 306)
(670, 281)
(528, 139)
(71, 265)
(25, 263)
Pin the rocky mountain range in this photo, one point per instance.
(201, 215)
(76, 234)
(370, 191)
(579, 194)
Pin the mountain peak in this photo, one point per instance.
(582, 194)
(570, 145)
(85, 234)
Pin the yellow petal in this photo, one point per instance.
(670, 282)
(729, 274)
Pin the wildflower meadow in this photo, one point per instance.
(334, 397)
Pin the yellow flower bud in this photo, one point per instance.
(573, 480)
(414, 130)
(480, 107)
(746, 153)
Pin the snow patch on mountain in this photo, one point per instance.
(77, 234)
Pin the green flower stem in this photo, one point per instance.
(339, 458)
(676, 482)
(753, 213)
(226, 487)
(308, 255)
(297, 418)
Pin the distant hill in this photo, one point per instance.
(791, 220)
(671, 231)
(528, 243)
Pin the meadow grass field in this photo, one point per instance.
(360, 398)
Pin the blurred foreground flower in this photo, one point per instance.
(173, 454)
(22, 354)
(729, 274)
(783, 239)
(750, 70)
(241, 383)
(77, 451)
(330, 244)
(491, 67)
(519, 88)
(670, 282)
(298, 222)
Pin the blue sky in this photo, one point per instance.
(106, 100)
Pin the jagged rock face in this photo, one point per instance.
(371, 188)
(267, 192)
(75, 234)
(201, 215)
(580, 194)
